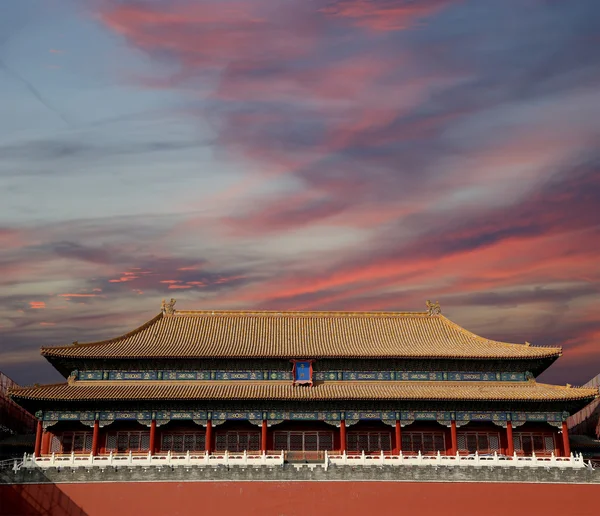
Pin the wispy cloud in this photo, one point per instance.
(351, 154)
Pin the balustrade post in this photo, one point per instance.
(565, 438)
(38, 439)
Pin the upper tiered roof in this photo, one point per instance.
(263, 334)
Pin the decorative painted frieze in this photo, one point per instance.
(334, 417)
(453, 376)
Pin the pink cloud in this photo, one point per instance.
(79, 295)
(383, 16)
(36, 305)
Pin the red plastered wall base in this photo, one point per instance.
(299, 499)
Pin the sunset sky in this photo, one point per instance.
(299, 154)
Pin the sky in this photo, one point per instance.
(299, 155)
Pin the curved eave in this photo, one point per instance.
(284, 391)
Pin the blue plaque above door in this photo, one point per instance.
(302, 372)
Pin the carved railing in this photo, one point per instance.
(475, 460)
(168, 459)
(279, 458)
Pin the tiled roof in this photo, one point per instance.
(184, 390)
(246, 334)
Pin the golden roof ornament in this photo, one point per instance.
(433, 308)
(168, 308)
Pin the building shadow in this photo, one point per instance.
(36, 499)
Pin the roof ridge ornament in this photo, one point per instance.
(168, 308)
(433, 308)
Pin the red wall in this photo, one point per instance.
(299, 498)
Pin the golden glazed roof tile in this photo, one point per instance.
(269, 390)
(252, 334)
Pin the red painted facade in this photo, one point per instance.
(298, 498)
(373, 437)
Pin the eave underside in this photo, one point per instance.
(535, 366)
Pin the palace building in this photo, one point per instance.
(302, 382)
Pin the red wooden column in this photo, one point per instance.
(95, 437)
(510, 445)
(565, 436)
(453, 437)
(38, 438)
(46, 436)
(263, 437)
(208, 436)
(398, 449)
(342, 435)
(152, 446)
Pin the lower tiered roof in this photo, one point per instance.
(271, 390)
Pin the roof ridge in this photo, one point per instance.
(339, 313)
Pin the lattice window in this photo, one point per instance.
(369, 441)
(532, 442)
(124, 442)
(237, 441)
(78, 442)
(55, 445)
(303, 441)
(480, 442)
(425, 442)
(182, 442)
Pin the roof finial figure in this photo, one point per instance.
(168, 308)
(433, 308)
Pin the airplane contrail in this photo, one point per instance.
(34, 91)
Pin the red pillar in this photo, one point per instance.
(263, 437)
(453, 437)
(565, 436)
(342, 435)
(95, 437)
(398, 438)
(46, 442)
(152, 446)
(510, 445)
(38, 439)
(208, 447)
